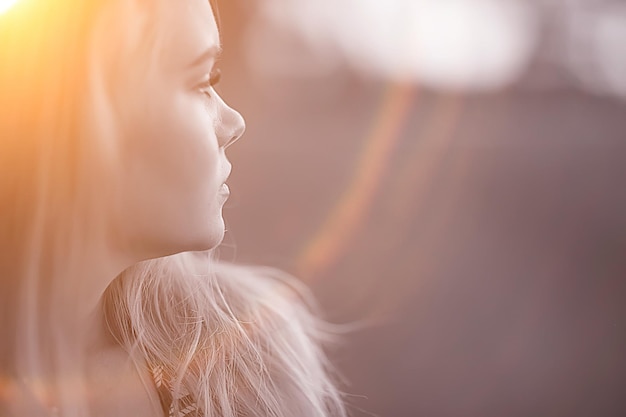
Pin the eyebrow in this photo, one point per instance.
(211, 53)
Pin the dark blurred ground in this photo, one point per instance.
(489, 259)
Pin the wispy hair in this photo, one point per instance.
(238, 340)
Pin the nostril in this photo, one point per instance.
(231, 141)
(236, 135)
(232, 126)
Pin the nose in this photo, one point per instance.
(231, 127)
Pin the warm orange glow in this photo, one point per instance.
(6, 5)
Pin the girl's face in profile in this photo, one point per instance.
(175, 135)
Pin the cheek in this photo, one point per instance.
(172, 167)
(172, 164)
(176, 142)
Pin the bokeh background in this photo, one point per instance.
(448, 176)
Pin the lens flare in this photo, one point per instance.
(347, 216)
(6, 5)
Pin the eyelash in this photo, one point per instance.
(214, 78)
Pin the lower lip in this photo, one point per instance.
(224, 190)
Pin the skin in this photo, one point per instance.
(174, 152)
(175, 167)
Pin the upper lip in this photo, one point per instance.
(229, 168)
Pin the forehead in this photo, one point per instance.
(190, 29)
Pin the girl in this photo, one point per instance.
(112, 181)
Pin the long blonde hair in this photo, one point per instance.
(238, 340)
(241, 340)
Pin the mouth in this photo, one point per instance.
(229, 169)
(224, 189)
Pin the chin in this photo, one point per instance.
(201, 234)
(214, 241)
(197, 243)
(211, 237)
(197, 236)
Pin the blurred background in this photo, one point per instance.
(449, 175)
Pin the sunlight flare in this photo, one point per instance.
(6, 5)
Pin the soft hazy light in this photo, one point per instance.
(481, 44)
(477, 44)
(6, 5)
(595, 51)
(610, 40)
(469, 44)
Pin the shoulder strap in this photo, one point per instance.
(188, 406)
